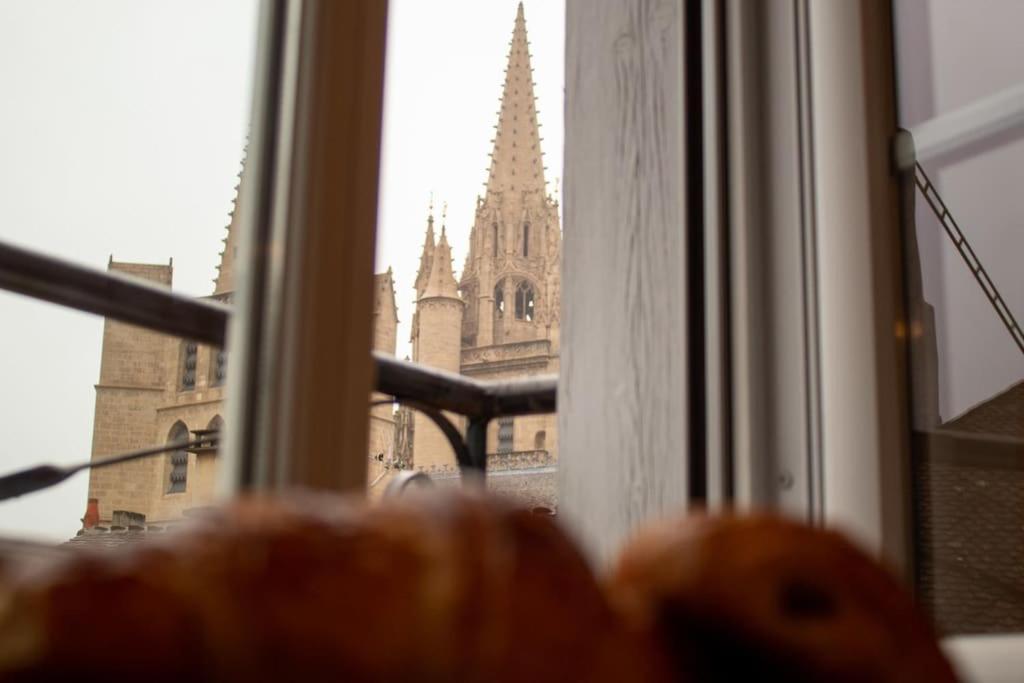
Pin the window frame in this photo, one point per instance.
(313, 158)
(858, 188)
(846, 129)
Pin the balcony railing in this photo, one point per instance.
(122, 298)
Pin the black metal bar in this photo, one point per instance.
(412, 382)
(476, 443)
(118, 296)
(450, 431)
(43, 476)
(462, 454)
(531, 396)
(459, 394)
(111, 294)
(696, 315)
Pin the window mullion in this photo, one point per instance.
(304, 379)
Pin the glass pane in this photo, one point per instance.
(964, 236)
(123, 135)
(469, 239)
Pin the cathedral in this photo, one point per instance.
(498, 319)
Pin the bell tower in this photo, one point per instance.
(510, 281)
(436, 342)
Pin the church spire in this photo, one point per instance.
(224, 283)
(427, 257)
(516, 162)
(441, 282)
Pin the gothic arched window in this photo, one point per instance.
(178, 475)
(506, 434)
(524, 301)
(526, 240)
(494, 242)
(218, 367)
(189, 359)
(216, 423)
(499, 298)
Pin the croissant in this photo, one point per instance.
(431, 588)
(463, 588)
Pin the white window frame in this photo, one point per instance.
(802, 248)
(863, 375)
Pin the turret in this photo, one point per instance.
(426, 256)
(439, 313)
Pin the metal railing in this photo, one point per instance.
(136, 302)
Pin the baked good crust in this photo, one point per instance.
(742, 598)
(428, 587)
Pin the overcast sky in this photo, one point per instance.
(121, 134)
(446, 64)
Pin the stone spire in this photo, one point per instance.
(441, 282)
(427, 257)
(224, 283)
(516, 162)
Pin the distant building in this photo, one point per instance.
(500, 319)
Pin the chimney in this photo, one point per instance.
(92, 514)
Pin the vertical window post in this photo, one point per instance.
(304, 375)
(622, 393)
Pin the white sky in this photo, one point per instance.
(446, 64)
(121, 133)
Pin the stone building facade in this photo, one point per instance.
(154, 388)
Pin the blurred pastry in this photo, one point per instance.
(760, 598)
(424, 588)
